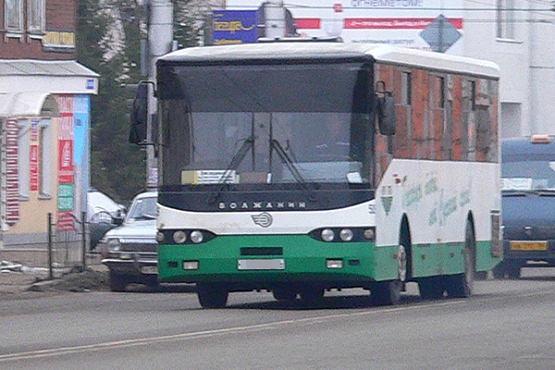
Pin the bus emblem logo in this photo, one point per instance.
(386, 201)
(263, 219)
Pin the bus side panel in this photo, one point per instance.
(440, 169)
(437, 198)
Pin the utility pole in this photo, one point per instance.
(275, 19)
(160, 41)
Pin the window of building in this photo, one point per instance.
(473, 95)
(407, 88)
(46, 159)
(438, 90)
(13, 10)
(35, 16)
(23, 139)
(506, 19)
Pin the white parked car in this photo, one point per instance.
(103, 214)
(130, 250)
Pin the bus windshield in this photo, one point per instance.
(265, 124)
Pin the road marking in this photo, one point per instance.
(242, 329)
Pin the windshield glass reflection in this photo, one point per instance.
(143, 209)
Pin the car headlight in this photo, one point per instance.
(114, 245)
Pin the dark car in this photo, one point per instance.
(130, 250)
(528, 201)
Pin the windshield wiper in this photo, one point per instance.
(144, 217)
(274, 144)
(233, 164)
(521, 193)
(514, 193)
(545, 192)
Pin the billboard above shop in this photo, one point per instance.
(234, 26)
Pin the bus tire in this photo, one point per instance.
(212, 295)
(284, 294)
(460, 285)
(404, 253)
(431, 288)
(387, 293)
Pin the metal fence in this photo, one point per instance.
(68, 242)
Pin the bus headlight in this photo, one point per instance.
(346, 235)
(159, 237)
(179, 237)
(370, 234)
(197, 237)
(327, 235)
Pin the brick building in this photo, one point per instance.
(44, 118)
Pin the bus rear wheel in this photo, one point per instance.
(431, 288)
(212, 295)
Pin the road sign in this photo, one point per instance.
(441, 34)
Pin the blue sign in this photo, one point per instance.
(234, 26)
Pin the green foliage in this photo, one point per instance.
(118, 168)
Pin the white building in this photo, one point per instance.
(519, 38)
(516, 34)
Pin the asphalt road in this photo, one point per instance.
(505, 325)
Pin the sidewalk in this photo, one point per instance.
(18, 280)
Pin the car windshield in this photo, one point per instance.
(142, 209)
(529, 173)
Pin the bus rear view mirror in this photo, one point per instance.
(138, 114)
(385, 109)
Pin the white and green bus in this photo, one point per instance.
(301, 167)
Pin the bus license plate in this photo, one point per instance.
(149, 269)
(261, 264)
(528, 246)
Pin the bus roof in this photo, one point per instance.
(323, 50)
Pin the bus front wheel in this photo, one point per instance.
(387, 293)
(284, 294)
(212, 295)
(460, 285)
